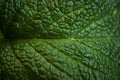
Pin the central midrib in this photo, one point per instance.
(4, 40)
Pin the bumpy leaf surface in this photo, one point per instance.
(59, 39)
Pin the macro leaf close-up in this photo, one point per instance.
(59, 39)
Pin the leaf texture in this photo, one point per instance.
(60, 40)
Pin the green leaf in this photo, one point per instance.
(60, 40)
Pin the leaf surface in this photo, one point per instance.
(60, 40)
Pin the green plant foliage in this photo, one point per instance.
(59, 39)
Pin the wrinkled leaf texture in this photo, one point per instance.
(59, 39)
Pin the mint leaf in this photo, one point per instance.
(60, 40)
